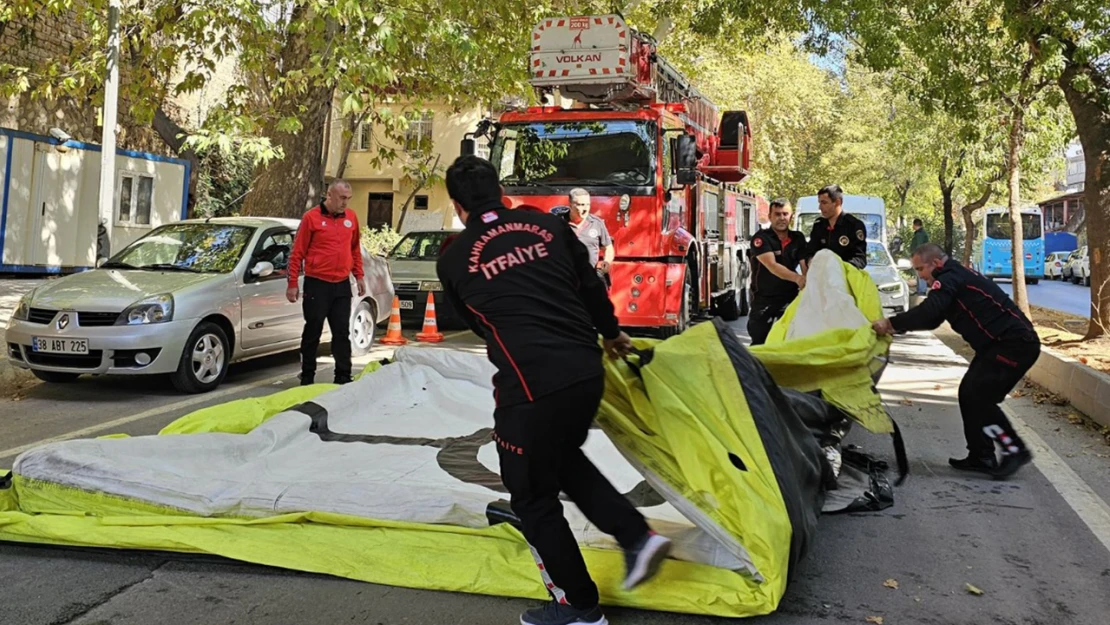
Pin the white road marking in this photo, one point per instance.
(146, 414)
(1092, 510)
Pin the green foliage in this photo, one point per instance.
(379, 240)
(223, 180)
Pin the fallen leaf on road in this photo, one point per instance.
(891, 583)
(906, 402)
(1083, 359)
(917, 599)
(936, 388)
(1074, 418)
(1017, 394)
(973, 590)
(877, 620)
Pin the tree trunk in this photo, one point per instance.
(969, 234)
(173, 135)
(348, 141)
(947, 189)
(949, 223)
(1092, 121)
(292, 185)
(1017, 258)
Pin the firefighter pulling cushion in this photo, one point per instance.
(838, 231)
(1005, 344)
(775, 282)
(524, 282)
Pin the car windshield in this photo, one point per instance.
(420, 245)
(587, 153)
(194, 248)
(877, 256)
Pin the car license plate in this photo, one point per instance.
(59, 346)
(406, 304)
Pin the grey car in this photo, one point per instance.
(188, 299)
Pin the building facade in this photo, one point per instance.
(381, 190)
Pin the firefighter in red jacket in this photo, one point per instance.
(327, 244)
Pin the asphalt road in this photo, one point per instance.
(1034, 544)
(1065, 297)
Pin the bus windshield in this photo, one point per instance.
(998, 226)
(586, 153)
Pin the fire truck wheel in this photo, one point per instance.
(729, 305)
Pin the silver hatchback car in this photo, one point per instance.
(188, 299)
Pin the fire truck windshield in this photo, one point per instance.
(598, 153)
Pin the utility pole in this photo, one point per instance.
(108, 137)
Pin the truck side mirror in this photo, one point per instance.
(687, 159)
(468, 147)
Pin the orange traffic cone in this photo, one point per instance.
(430, 333)
(393, 334)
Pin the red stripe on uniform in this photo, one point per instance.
(989, 335)
(497, 337)
(999, 304)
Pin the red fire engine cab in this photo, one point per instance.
(660, 163)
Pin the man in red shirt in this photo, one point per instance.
(327, 243)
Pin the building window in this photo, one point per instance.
(379, 210)
(361, 142)
(420, 203)
(418, 136)
(136, 195)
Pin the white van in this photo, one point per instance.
(869, 209)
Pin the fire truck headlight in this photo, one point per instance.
(625, 202)
(637, 278)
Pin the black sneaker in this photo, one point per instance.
(1011, 463)
(307, 379)
(978, 465)
(555, 613)
(345, 379)
(642, 562)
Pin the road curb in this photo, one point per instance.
(1088, 390)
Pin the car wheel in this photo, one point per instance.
(1087, 281)
(56, 377)
(1034, 280)
(362, 329)
(204, 361)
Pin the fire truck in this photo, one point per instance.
(661, 164)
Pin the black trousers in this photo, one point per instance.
(992, 374)
(329, 301)
(539, 445)
(765, 312)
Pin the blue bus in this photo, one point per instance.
(996, 247)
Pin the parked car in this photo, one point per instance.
(893, 290)
(1054, 265)
(1079, 267)
(412, 268)
(188, 299)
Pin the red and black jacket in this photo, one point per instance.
(974, 306)
(523, 282)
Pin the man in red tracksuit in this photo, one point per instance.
(328, 244)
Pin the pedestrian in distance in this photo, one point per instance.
(920, 237)
(592, 232)
(778, 251)
(525, 283)
(328, 245)
(1005, 344)
(837, 230)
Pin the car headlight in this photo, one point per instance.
(157, 309)
(431, 286)
(23, 309)
(894, 288)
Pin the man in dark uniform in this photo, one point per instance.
(524, 282)
(1005, 345)
(836, 230)
(775, 282)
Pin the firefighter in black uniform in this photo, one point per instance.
(837, 231)
(1005, 345)
(524, 282)
(775, 282)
